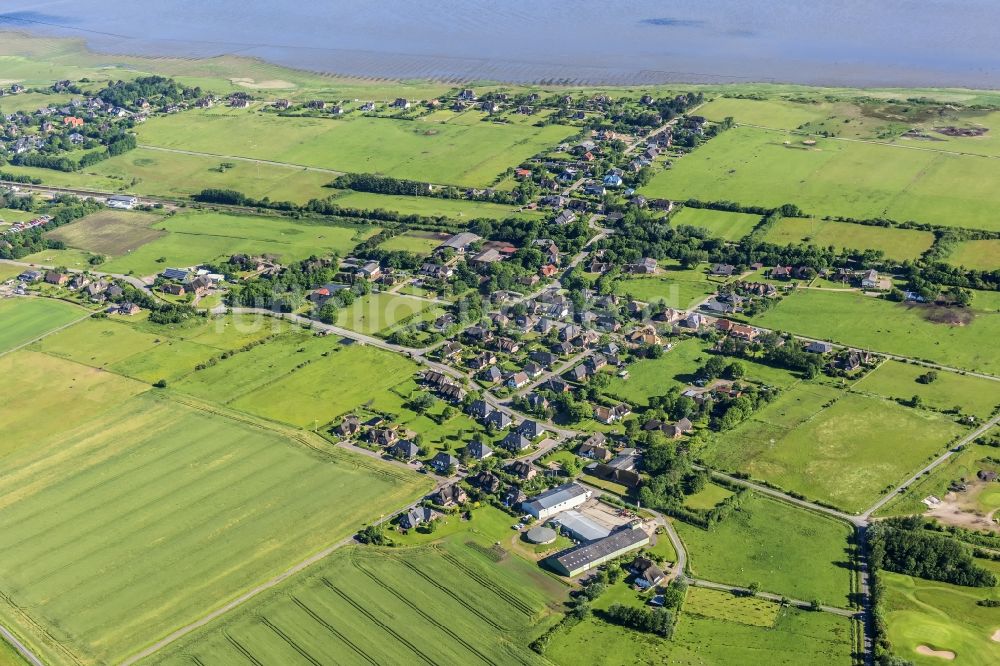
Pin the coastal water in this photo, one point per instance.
(827, 42)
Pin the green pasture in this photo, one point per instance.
(417, 242)
(942, 617)
(110, 542)
(11, 215)
(457, 209)
(895, 244)
(677, 287)
(708, 497)
(836, 177)
(847, 453)
(786, 550)
(70, 258)
(471, 155)
(973, 395)
(197, 237)
(331, 386)
(880, 325)
(977, 255)
(719, 224)
(25, 319)
(720, 605)
(29, 102)
(38, 386)
(110, 232)
(377, 312)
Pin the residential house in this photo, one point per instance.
(382, 436)
(498, 419)
(404, 450)
(515, 442)
(349, 426)
(443, 462)
(522, 470)
(479, 409)
(491, 375)
(531, 429)
(417, 516)
(517, 379)
(869, 279)
(60, 279)
(676, 430)
(647, 573)
(646, 266)
(819, 347)
(608, 415)
(486, 481)
(478, 450)
(450, 495)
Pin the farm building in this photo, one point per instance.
(578, 527)
(555, 500)
(582, 558)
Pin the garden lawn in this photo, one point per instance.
(895, 244)
(377, 312)
(707, 498)
(787, 550)
(846, 454)
(194, 238)
(109, 232)
(349, 378)
(896, 380)
(448, 603)
(850, 179)
(880, 325)
(719, 224)
(468, 155)
(977, 255)
(24, 319)
(942, 617)
(142, 521)
(458, 209)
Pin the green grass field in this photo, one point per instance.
(797, 637)
(25, 319)
(378, 312)
(720, 605)
(880, 325)
(30, 102)
(457, 209)
(851, 179)
(787, 550)
(69, 258)
(109, 539)
(471, 155)
(708, 497)
(418, 242)
(193, 238)
(446, 603)
(37, 386)
(327, 388)
(110, 232)
(720, 224)
(846, 454)
(975, 396)
(896, 244)
(677, 367)
(977, 255)
(941, 617)
(677, 287)
(10, 215)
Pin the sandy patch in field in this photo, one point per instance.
(270, 84)
(929, 652)
(996, 636)
(960, 510)
(7, 82)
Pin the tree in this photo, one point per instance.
(161, 383)
(753, 588)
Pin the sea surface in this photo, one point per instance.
(823, 42)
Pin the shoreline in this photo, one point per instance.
(371, 66)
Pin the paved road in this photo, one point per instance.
(28, 655)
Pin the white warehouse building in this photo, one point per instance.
(557, 499)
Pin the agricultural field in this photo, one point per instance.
(844, 449)
(446, 153)
(37, 386)
(457, 601)
(895, 244)
(787, 550)
(897, 380)
(456, 209)
(194, 238)
(70, 258)
(8, 271)
(718, 223)
(328, 388)
(677, 287)
(30, 102)
(378, 312)
(720, 605)
(977, 255)
(25, 319)
(834, 177)
(418, 242)
(941, 617)
(905, 329)
(132, 550)
(110, 232)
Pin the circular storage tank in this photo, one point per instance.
(541, 535)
